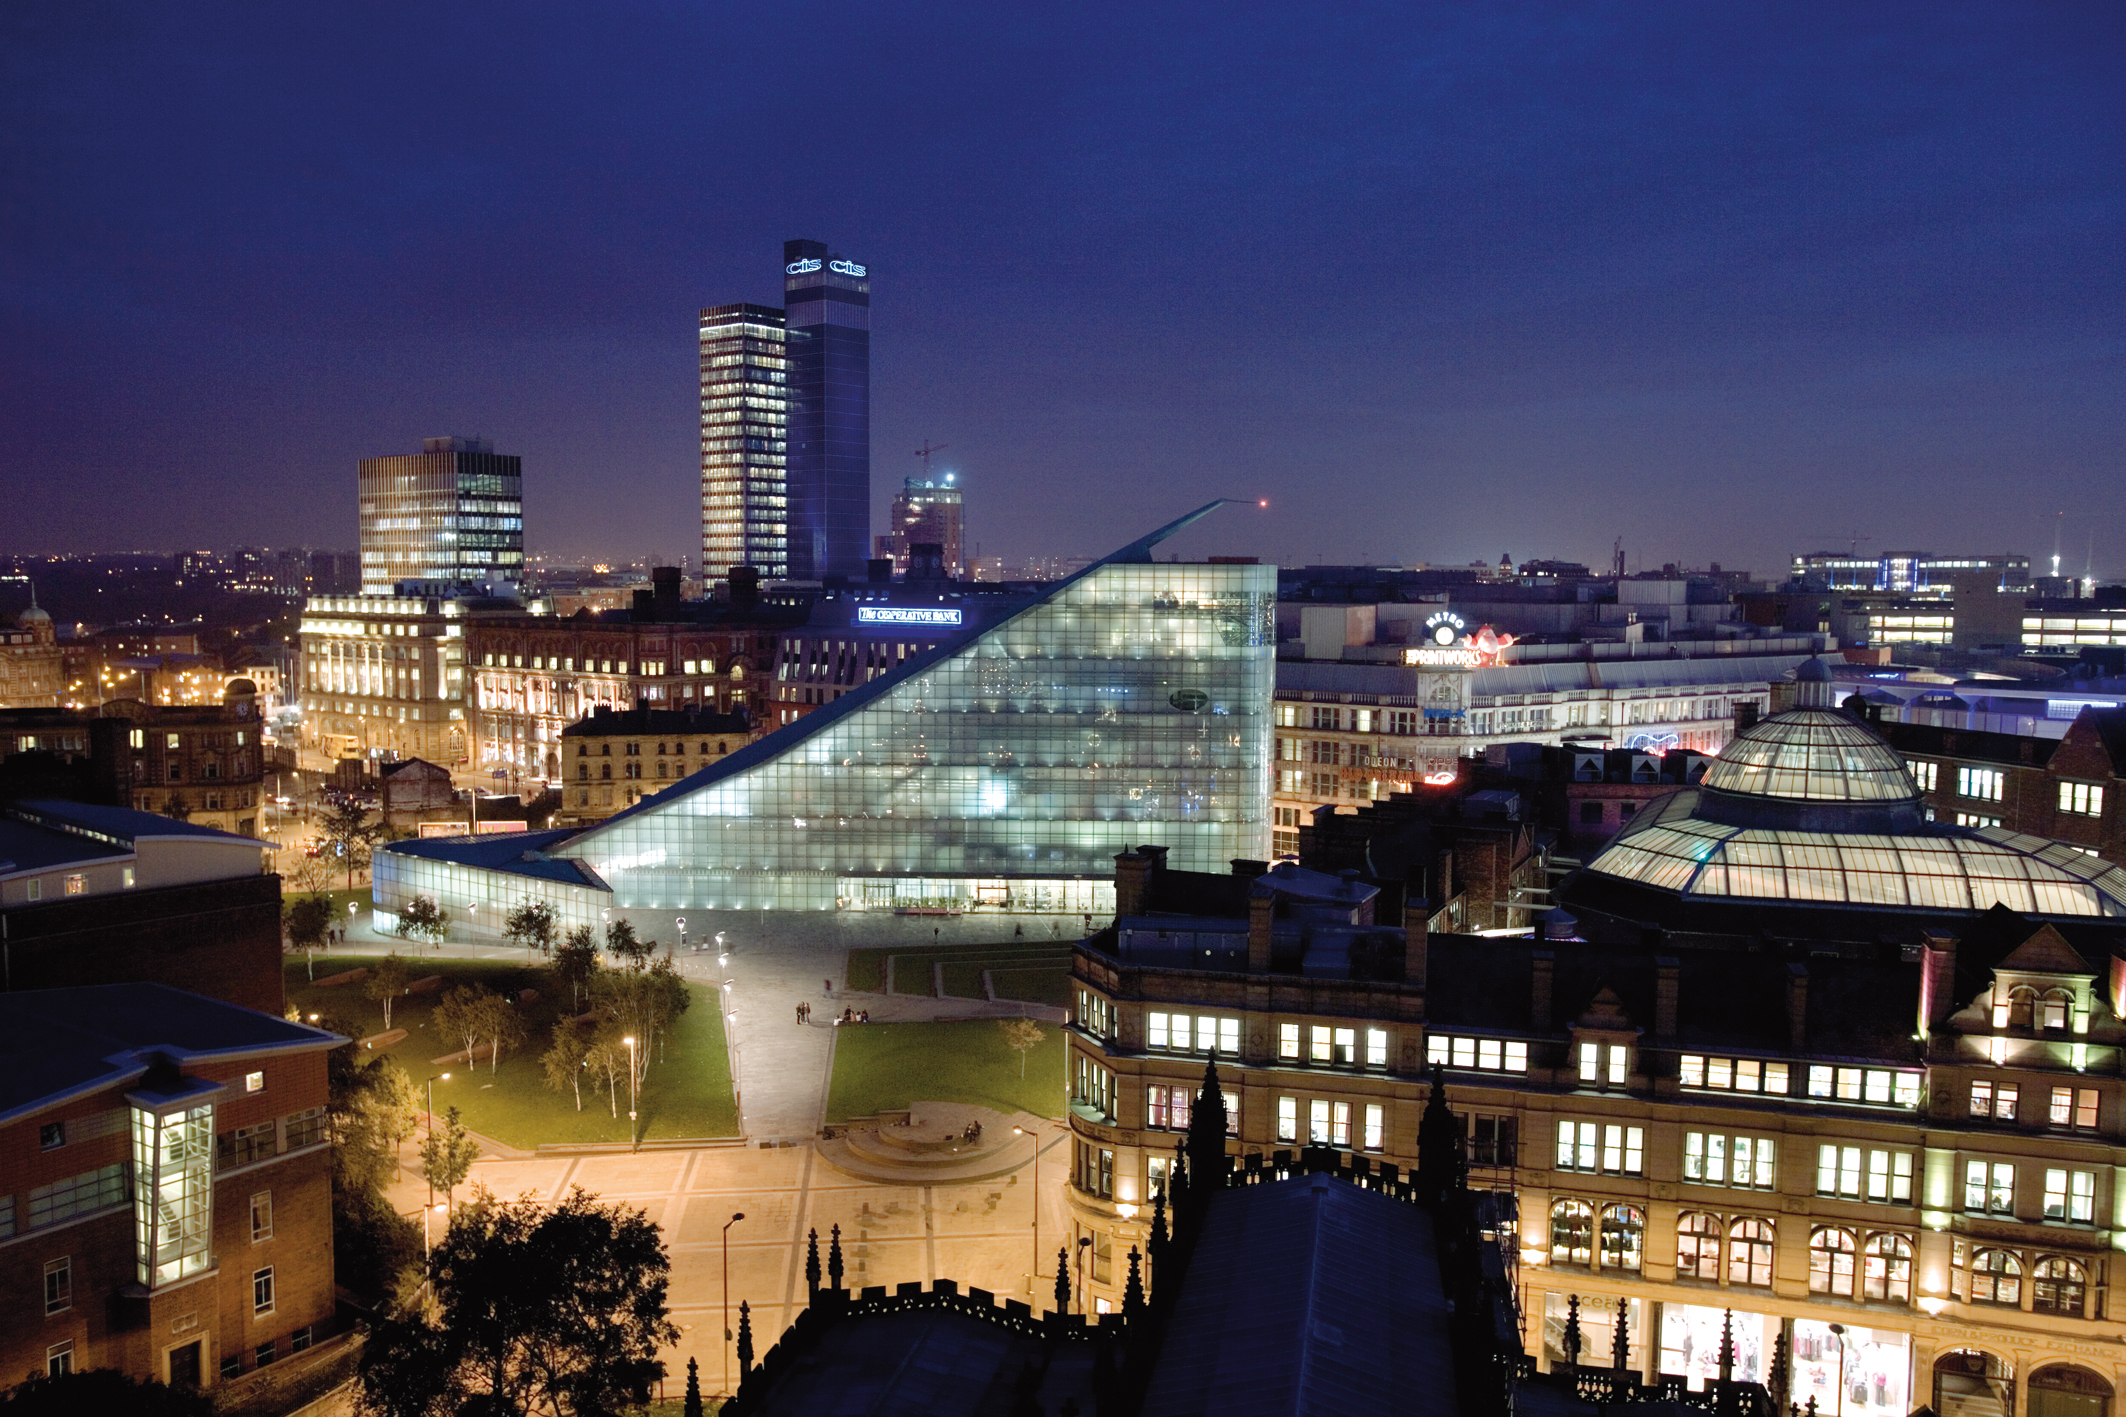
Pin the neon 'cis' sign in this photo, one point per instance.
(905, 615)
(812, 263)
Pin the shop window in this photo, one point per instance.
(1997, 1279)
(2058, 1286)
(1886, 1269)
(1571, 1232)
(1697, 1246)
(1968, 1383)
(2064, 1390)
(1623, 1237)
(1831, 1252)
(1749, 1253)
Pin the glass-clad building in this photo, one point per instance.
(827, 300)
(744, 392)
(1128, 704)
(453, 512)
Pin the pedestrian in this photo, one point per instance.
(1018, 931)
(826, 986)
(800, 1013)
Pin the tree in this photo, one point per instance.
(532, 926)
(1023, 1034)
(622, 944)
(537, 1309)
(312, 874)
(447, 1154)
(565, 1058)
(308, 917)
(468, 1015)
(608, 1057)
(106, 1392)
(575, 962)
(421, 918)
(641, 1003)
(386, 981)
(346, 825)
(371, 1109)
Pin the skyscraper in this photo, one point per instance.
(926, 510)
(453, 512)
(827, 300)
(744, 516)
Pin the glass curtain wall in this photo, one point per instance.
(1131, 705)
(173, 1199)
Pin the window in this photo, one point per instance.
(262, 1290)
(1831, 1261)
(2074, 1107)
(1173, 1033)
(1749, 1253)
(1095, 1014)
(245, 1145)
(1981, 783)
(1288, 1119)
(1697, 1246)
(1329, 1123)
(1877, 1086)
(51, 1135)
(1376, 1127)
(1156, 1170)
(1977, 819)
(1860, 1173)
(36, 889)
(1571, 1232)
(1288, 1040)
(299, 1340)
(2057, 1286)
(1602, 1069)
(2083, 799)
(1096, 1087)
(1491, 1055)
(77, 1195)
(264, 1353)
(1493, 1140)
(306, 1128)
(1376, 1047)
(1167, 1107)
(261, 1216)
(1997, 1278)
(1711, 1159)
(1731, 1074)
(254, 1082)
(2069, 1195)
(1994, 1101)
(1923, 773)
(1590, 1146)
(1989, 1186)
(1886, 1269)
(59, 1285)
(77, 885)
(1623, 1237)
(1094, 1170)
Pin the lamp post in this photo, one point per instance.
(1034, 1282)
(741, 1215)
(431, 1086)
(634, 1099)
(1839, 1329)
(1085, 1242)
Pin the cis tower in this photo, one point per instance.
(786, 424)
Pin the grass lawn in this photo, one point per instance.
(887, 1065)
(1034, 986)
(686, 1094)
(910, 971)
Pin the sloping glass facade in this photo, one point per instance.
(1130, 704)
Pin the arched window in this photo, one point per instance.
(1697, 1246)
(1749, 1253)
(1571, 1232)
(2056, 1009)
(1886, 1269)
(1623, 1237)
(1968, 1383)
(2022, 1002)
(2057, 1286)
(1997, 1278)
(2064, 1390)
(1831, 1261)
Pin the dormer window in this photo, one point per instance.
(2052, 1011)
(1604, 1064)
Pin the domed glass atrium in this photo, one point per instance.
(1810, 806)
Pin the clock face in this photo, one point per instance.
(1443, 634)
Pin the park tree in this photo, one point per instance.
(641, 1004)
(547, 1309)
(387, 980)
(345, 823)
(371, 1109)
(575, 962)
(567, 1055)
(308, 917)
(625, 946)
(447, 1153)
(422, 919)
(475, 1016)
(608, 1058)
(312, 874)
(1023, 1035)
(532, 926)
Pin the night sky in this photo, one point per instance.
(1442, 282)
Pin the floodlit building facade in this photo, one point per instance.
(452, 513)
(744, 426)
(1006, 767)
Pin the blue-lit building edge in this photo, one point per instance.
(1129, 704)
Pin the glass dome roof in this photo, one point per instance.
(1812, 755)
(1942, 869)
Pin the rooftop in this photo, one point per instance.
(606, 722)
(44, 834)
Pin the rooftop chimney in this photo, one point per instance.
(664, 591)
(1416, 941)
(1262, 912)
(1797, 1006)
(879, 570)
(1543, 964)
(1130, 870)
(1668, 987)
(745, 587)
(1937, 980)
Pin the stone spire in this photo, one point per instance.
(1206, 1133)
(834, 1257)
(812, 1262)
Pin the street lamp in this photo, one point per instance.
(431, 1086)
(1084, 1243)
(634, 1098)
(1839, 1329)
(427, 1244)
(735, 1218)
(1021, 1131)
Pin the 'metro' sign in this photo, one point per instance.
(905, 615)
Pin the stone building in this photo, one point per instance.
(610, 761)
(32, 665)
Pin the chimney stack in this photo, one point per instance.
(1937, 982)
(1797, 1006)
(664, 591)
(1130, 871)
(1416, 915)
(1668, 988)
(1543, 963)
(1262, 912)
(745, 587)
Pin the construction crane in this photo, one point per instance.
(926, 452)
(1852, 539)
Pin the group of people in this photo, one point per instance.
(804, 1015)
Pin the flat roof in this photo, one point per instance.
(56, 1044)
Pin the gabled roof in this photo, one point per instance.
(2045, 952)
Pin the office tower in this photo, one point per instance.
(453, 512)
(744, 521)
(827, 315)
(925, 511)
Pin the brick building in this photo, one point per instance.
(107, 895)
(2067, 789)
(165, 1185)
(611, 761)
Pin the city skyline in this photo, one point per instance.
(1595, 286)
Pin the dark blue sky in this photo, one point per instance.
(1442, 281)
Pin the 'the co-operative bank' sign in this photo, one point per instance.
(905, 615)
